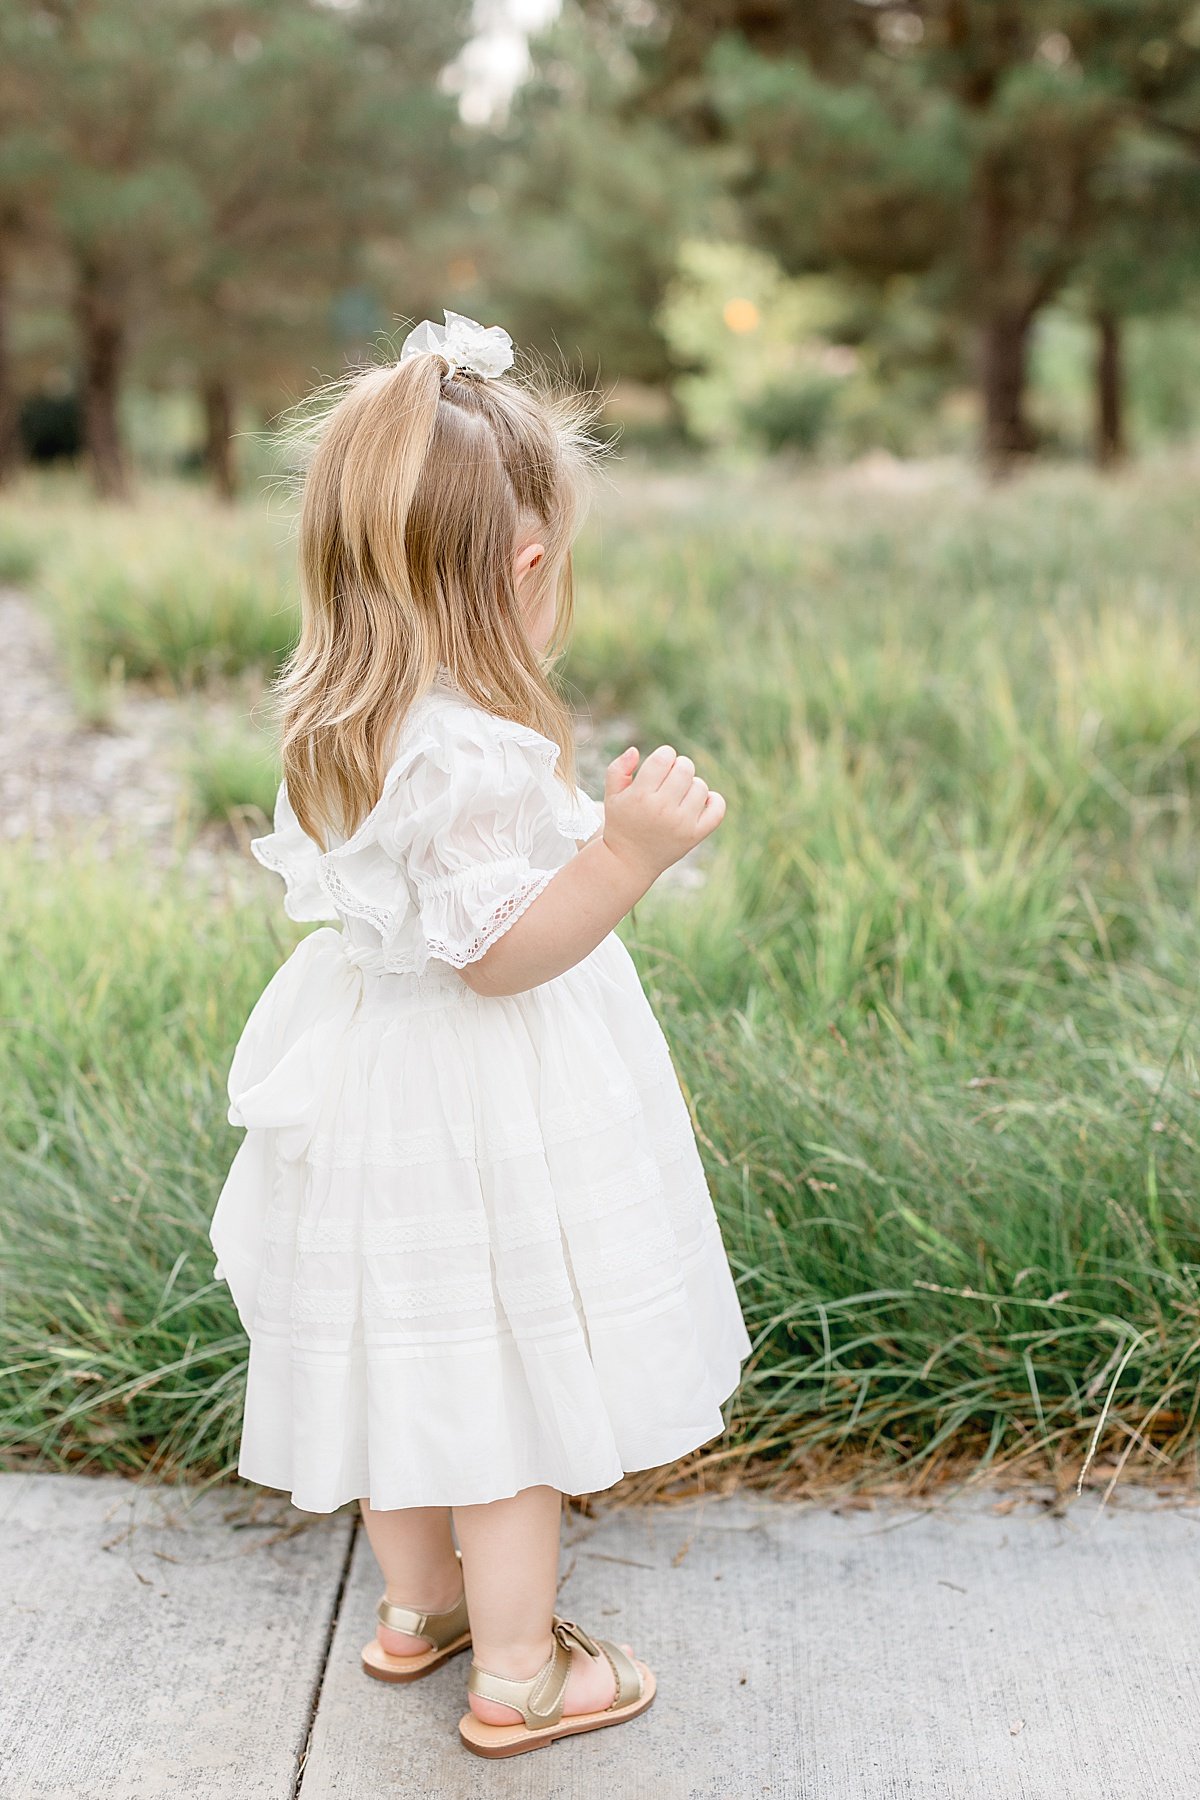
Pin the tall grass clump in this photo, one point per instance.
(232, 772)
(175, 590)
(19, 554)
(121, 994)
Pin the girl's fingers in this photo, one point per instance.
(678, 782)
(712, 813)
(619, 773)
(694, 799)
(657, 766)
(673, 778)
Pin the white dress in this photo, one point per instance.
(470, 1238)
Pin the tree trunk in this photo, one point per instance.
(1005, 311)
(216, 397)
(102, 341)
(9, 442)
(1110, 392)
(1004, 372)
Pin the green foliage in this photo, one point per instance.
(122, 994)
(234, 773)
(793, 414)
(869, 176)
(755, 340)
(231, 206)
(1164, 377)
(219, 181)
(772, 362)
(18, 554)
(1162, 369)
(333, 119)
(584, 207)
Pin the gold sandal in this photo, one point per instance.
(448, 1633)
(540, 1699)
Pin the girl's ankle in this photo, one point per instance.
(517, 1661)
(427, 1595)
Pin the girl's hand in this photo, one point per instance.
(657, 815)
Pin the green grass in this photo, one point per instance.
(18, 556)
(231, 772)
(934, 1006)
(175, 590)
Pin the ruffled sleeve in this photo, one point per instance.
(479, 828)
(289, 851)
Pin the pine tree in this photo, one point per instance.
(1144, 261)
(209, 173)
(969, 141)
(95, 83)
(321, 145)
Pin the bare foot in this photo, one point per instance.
(590, 1688)
(438, 1598)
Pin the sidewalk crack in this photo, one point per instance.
(319, 1679)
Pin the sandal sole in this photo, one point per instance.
(381, 1667)
(515, 1740)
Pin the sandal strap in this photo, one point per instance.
(539, 1700)
(441, 1628)
(628, 1677)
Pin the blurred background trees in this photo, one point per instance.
(828, 226)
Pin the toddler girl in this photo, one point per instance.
(468, 1230)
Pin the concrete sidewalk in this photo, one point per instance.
(156, 1647)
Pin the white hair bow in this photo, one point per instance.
(480, 349)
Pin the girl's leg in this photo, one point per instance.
(510, 1561)
(415, 1552)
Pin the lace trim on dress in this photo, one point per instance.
(387, 923)
(299, 864)
(523, 1232)
(355, 907)
(502, 920)
(387, 1237)
(417, 1300)
(536, 1293)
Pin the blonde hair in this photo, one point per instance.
(419, 484)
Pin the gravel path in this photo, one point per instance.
(60, 777)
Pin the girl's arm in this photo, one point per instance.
(651, 819)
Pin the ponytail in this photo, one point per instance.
(363, 655)
(417, 488)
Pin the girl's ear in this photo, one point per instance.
(526, 561)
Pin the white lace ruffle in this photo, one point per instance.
(288, 851)
(471, 825)
(459, 954)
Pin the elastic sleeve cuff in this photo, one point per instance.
(464, 914)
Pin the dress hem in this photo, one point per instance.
(386, 1504)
